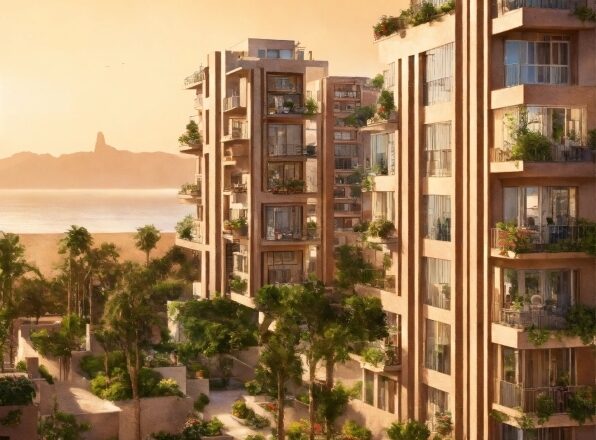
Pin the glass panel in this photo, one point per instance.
(438, 347)
(369, 387)
(438, 217)
(285, 54)
(283, 223)
(437, 282)
(438, 74)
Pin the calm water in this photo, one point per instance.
(113, 210)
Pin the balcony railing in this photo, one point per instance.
(195, 77)
(516, 74)
(438, 163)
(275, 275)
(378, 279)
(548, 238)
(438, 90)
(237, 132)
(516, 396)
(291, 234)
(292, 150)
(236, 188)
(505, 6)
(198, 104)
(544, 317)
(558, 153)
(231, 102)
(351, 94)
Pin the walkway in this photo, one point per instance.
(74, 400)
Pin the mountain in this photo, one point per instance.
(105, 167)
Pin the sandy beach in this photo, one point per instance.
(42, 249)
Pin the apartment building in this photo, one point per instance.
(492, 232)
(259, 168)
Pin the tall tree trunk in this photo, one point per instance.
(133, 372)
(147, 258)
(90, 303)
(311, 395)
(329, 371)
(69, 287)
(281, 397)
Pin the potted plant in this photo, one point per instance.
(192, 136)
(288, 106)
(239, 226)
(444, 424)
(295, 186)
(311, 229)
(311, 150)
(184, 228)
(311, 107)
(238, 284)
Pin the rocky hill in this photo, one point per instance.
(105, 167)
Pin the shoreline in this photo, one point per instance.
(41, 249)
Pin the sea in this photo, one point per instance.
(37, 211)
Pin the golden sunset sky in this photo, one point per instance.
(70, 68)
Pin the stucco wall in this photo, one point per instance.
(26, 429)
(157, 414)
(194, 387)
(176, 373)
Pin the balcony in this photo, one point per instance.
(559, 159)
(282, 150)
(379, 357)
(291, 234)
(541, 317)
(231, 105)
(527, 400)
(190, 192)
(193, 240)
(379, 279)
(193, 80)
(550, 74)
(538, 14)
(510, 241)
(238, 132)
(198, 102)
(380, 124)
(438, 163)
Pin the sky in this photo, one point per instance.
(71, 68)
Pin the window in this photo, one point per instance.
(284, 93)
(339, 193)
(346, 207)
(437, 402)
(345, 163)
(346, 150)
(509, 432)
(547, 209)
(351, 91)
(384, 205)
(389, 76)
(437, 282)
(386, 394)
(369, 387)
(438, 217)
(345, 223)
(438, 149)
(285, 139)
(280, 173)
(437, 353)
(283, 223)
(283, 267)
(544, 61)
(382, 154)
(344, 135)
(438, 74)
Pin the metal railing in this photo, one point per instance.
(231, 102)
(558, 153)
(438, 163)
(237, 132)
(504, 6)
(194, 77)
(516, 74)
(548, 238)
(352, 94)
(292, 234)
(545, 317)
(438, 90)
(516, 396)
(291, 150)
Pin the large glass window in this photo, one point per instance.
(369, 387)
(437, 354)
(544, 61)
(536, 207)
(384, 205)
(438, 217)
(345, 163)
(344, 135)
(437, 403)
(280, 173)
(283, 267)
(382, 154)
(438, 76)
(284, 93)
(386, 394)
(283, 223)
(437, 282)
(285, 140)
(346, 150)
(438, 149)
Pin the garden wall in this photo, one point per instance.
(26, 429)
(194, 387)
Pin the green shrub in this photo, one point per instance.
(238, 284)
(411, 430)
(167, 387)
(373, 355)
(378, 81)
(239, 409)
(161, 435)
(253, 388)
(381, 228)
(201, 402)
(592, 138)
(531, 146)
(545, 407)
(311, 106)
(92, 365)
(16, 390)
(360, 116)
(582, 405)
(353, 431)
(21, 366)
(581, 321)
(44, 373)
(386, 104)
(192, 136)
(297, 430)
(254, 437)
(184, 228)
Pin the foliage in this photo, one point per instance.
(146, 239)
(185, 227)
(378, 81)
(117, 386)
(238, 223)
(92, 366)
(192, 136)
(385, 104)
(254, 437)
(444, 423)
(525, 422)
(511, 237)
(45, 374)
(545, 407)
(388, 25)
(538, 336)
(298, 430)
(498, 416)
(21, 367)
(360, 116)
(582, 405)
(161, 435)
(12, 418)
(351, 266)
(353, 431)
(311, 107)
(217, 326)
(381, 228)
(531, 146)
(448, 6)
(581, 321)
(195, 428)
(33, 296)
(331, 403)
(592, 138)
(253, 387)
(61, 426)
(16, 390)
(241, 411)
(411, 430)
(584, 13)
(201, 402)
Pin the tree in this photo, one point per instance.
(130, 318)
(76, 244)
(61, 426)
(411, 430)
(33, 297)
(331, 404)
(62, 342)
(146, 240)
(103, 271)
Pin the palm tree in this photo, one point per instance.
(129, 317)
(146, 239)
(102, 271)
(76, 244)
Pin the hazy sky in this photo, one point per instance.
(70, 68)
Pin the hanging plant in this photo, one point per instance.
(545, 407)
